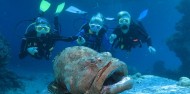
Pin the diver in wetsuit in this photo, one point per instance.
(92, 34)
(128, 34)
(40, 40)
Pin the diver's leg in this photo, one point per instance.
(59, 9)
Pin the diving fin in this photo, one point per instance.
(110, 18)
(143, 15)
(73, 9)
(44, 5)
(60, 7)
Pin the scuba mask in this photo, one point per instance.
(95, 27)
(96, 23)
(42, 26)
(124, 23)
(42, 29)
(124, 19)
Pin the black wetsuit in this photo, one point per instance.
(92, 40)
(134, 37)
(45, 43)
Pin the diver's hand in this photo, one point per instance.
(152, 50)
(112, 38)
(81, 40)
(32, 50)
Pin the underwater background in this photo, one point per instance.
(160, 24)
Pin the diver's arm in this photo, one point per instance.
(28, 47)
(113, 36)
(80, 40)
(144, 33)
(146, 37)
(149, 41)
(66, 39)
(151, 49)
(56, 25)
(69, 39)
(27, 36)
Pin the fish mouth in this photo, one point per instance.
(116, 82)
(113, 78)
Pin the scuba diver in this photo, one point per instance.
(92, 34)
(128, 34)
(40, 40)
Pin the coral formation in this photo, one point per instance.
(184, 81)
(4, 51)
(9, 80)
(81, 70)
(179, 42)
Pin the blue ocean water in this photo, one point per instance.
(159, 23)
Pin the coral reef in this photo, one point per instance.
(9, 80)
(4, 51)
(81, 70)
(179, 42)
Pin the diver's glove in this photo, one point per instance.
(80, 40)
(32, 50)
(112, 38)
(151, 49)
